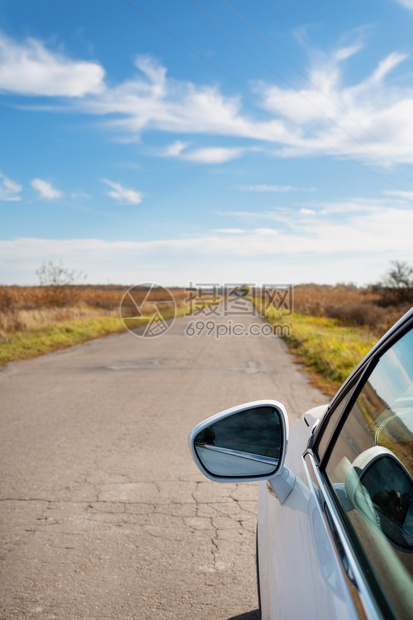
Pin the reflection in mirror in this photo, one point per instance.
(244, 444)
(390, 488)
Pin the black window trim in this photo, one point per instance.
(327, 419)
(357, 388)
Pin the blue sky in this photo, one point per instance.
(219, 141)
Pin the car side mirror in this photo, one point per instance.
(244, 443)
(380, 485)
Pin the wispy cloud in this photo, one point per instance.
(400, 194)
(279, 214)
(207, 155)
(315, 245)
(174, 150)
(9, 190)
(306, 218)
(214, 155)
(29, 68)
(326, 235)
(46, 189)
(408, 4)
(123, 194)
(371, 120)
(80, 196)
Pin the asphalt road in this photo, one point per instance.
(103, 514)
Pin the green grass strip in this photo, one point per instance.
(27, 344)
(327, 348)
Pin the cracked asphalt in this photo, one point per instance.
(103, 514)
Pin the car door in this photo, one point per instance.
(300, 569)
(341, 545)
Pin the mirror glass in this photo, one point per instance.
(244, 444)
(391, 491)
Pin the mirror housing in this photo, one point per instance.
(244, 444)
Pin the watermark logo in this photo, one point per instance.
(229, 328)
(148, 310)
(229, 300)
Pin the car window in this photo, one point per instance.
(370, 471)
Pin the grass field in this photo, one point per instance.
(329, 350)
(40, 319)
(25, 344)
(328, 347)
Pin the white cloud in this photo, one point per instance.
(408, 4)
(174, 150)
(9, 190)
(350, 207)
(123, 194)
(321, 249)
(370, 121)
(305, 216)
(385, 66)
(207, 155)
(46, 190)
(28, 68)
(153, 101)
(400, 194)
(214, 155)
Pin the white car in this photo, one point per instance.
(335, 502)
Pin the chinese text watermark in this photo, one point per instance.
(148, 310)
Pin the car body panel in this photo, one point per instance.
(311, 583)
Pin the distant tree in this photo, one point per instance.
(59, 283)
(397, 284)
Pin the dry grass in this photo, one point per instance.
(39, 319)
(332, 328)
(349, 305)
(27, 308)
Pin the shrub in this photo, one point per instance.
(357, 313)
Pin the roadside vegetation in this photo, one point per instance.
(59, 313)
(40, 319)
(329, 349)
(332, 328)
(27, 343)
